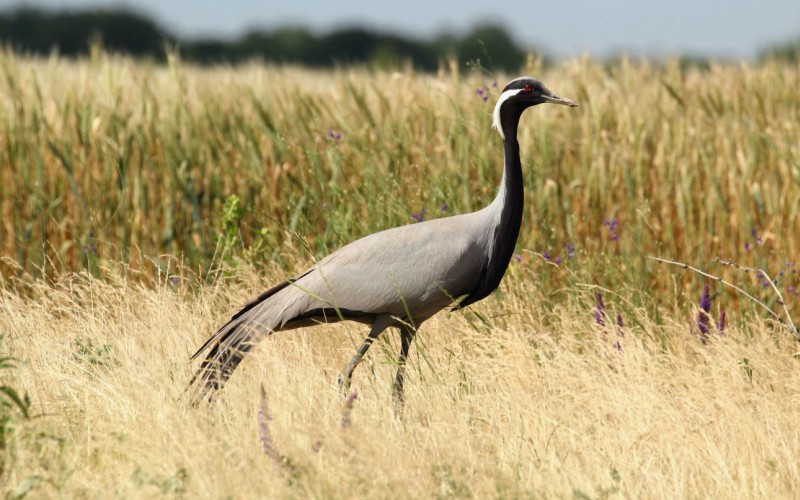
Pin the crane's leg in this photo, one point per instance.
(378, 326)
(407, 333)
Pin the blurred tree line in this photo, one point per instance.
(789, 51)
(71, 33)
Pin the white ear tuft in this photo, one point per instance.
(496, 114)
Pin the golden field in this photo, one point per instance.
(539, 405)
(121, 255)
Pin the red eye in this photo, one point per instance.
(528, 88)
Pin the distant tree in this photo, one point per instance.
(493, 46)
(295, 43)
(288, 44)
(208, 51)
(694, 62)
(71, 33)
(789, 51)
(258, 44)
(349, 45)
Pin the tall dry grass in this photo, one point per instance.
(108, 167)
(539, 404)
(108, 160)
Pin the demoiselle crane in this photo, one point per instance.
(399, 277)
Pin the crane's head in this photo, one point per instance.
(520, 94)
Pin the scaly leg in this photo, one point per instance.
(406, 338)
(378, 326)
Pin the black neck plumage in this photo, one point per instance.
(511, 200)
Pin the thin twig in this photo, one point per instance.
(790, 323)
(717, 278)
(771, 283)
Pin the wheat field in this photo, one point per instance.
(123, 250)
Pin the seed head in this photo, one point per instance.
(419, 216)
(702, 314)
(721, 321)
(705, 299)
(599, 309)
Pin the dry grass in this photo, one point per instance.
(107, 160)
(540, 404)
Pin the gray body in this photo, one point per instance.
(398, 277)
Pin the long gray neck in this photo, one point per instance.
(504, 213)
(510, 201)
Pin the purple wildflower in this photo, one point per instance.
(599, 309)
(619, 322)
(518, 258)
(546, 255)
(334, 136)
(444, 208)
(747, 247)
(419, 216)
(702, 315)
(705, 299)
(174, 280)
(479, 91)
(721, 321)
(558, 260)
(612, 225)
(264, 437)
(755, 236)
(348, 409)
(494, 83)
(570, 248)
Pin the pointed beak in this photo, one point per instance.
(556, 99)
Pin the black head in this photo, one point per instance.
(522, 93)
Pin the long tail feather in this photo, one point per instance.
(231, 342)
(229, 348)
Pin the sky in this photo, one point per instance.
(728, 29)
